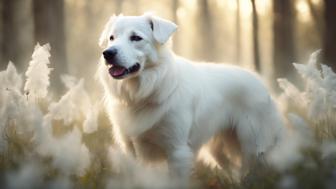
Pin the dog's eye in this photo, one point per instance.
(111, 38)
(135, 38)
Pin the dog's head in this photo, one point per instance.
(131, 43)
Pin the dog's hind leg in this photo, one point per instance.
(259, 131)
(225, 149)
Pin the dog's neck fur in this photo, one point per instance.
(132, 100)
(147, 87)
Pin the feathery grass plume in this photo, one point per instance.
(71, 159)
(132, 174)
(329, 78)
(89, 110)
(24, 118)
(320, 87)
(72, 105)
(90, 124)
(292, 93)
(37, 82)
(288, 153)
(11, 83)
(318, 97)
(10, 79)
(69, 155)
(16, 113)
(316, 122)
(310, 71)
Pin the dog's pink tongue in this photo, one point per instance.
(116, 71)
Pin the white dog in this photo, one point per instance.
(164, 107)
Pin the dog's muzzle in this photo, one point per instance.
(115, 70)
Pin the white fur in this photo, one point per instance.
(172, 106)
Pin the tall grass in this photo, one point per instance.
(66, 142)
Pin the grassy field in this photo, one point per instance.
(67, 142)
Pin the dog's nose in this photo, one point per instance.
(110, 53)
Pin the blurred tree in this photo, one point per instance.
(89, 14)
(136, 7)
(283, 39)
(329, 47)
(9, 32)
(255, 36)
(49, 27)
(206, 47)
(2, 61)
(316, 15)
(89, 55)
(118, 6)
(14, 34)
(175, 6)
(238, 47)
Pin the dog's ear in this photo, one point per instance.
(107, 29)
(162, 29)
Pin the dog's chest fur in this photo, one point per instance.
(148, 139)
(152, 145)
(142, 127)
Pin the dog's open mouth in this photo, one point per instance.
(119, 72)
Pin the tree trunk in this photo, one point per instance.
(238, 29)
(255, 37)
(14, 32)
(283, 39)
(2, 60)
(329, 46)
(207, 47)
(136, 7)
(118, 6)
(316, 17)
(9, 32)
(49, 28)
(175, 5)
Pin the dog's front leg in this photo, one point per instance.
(180, 162)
